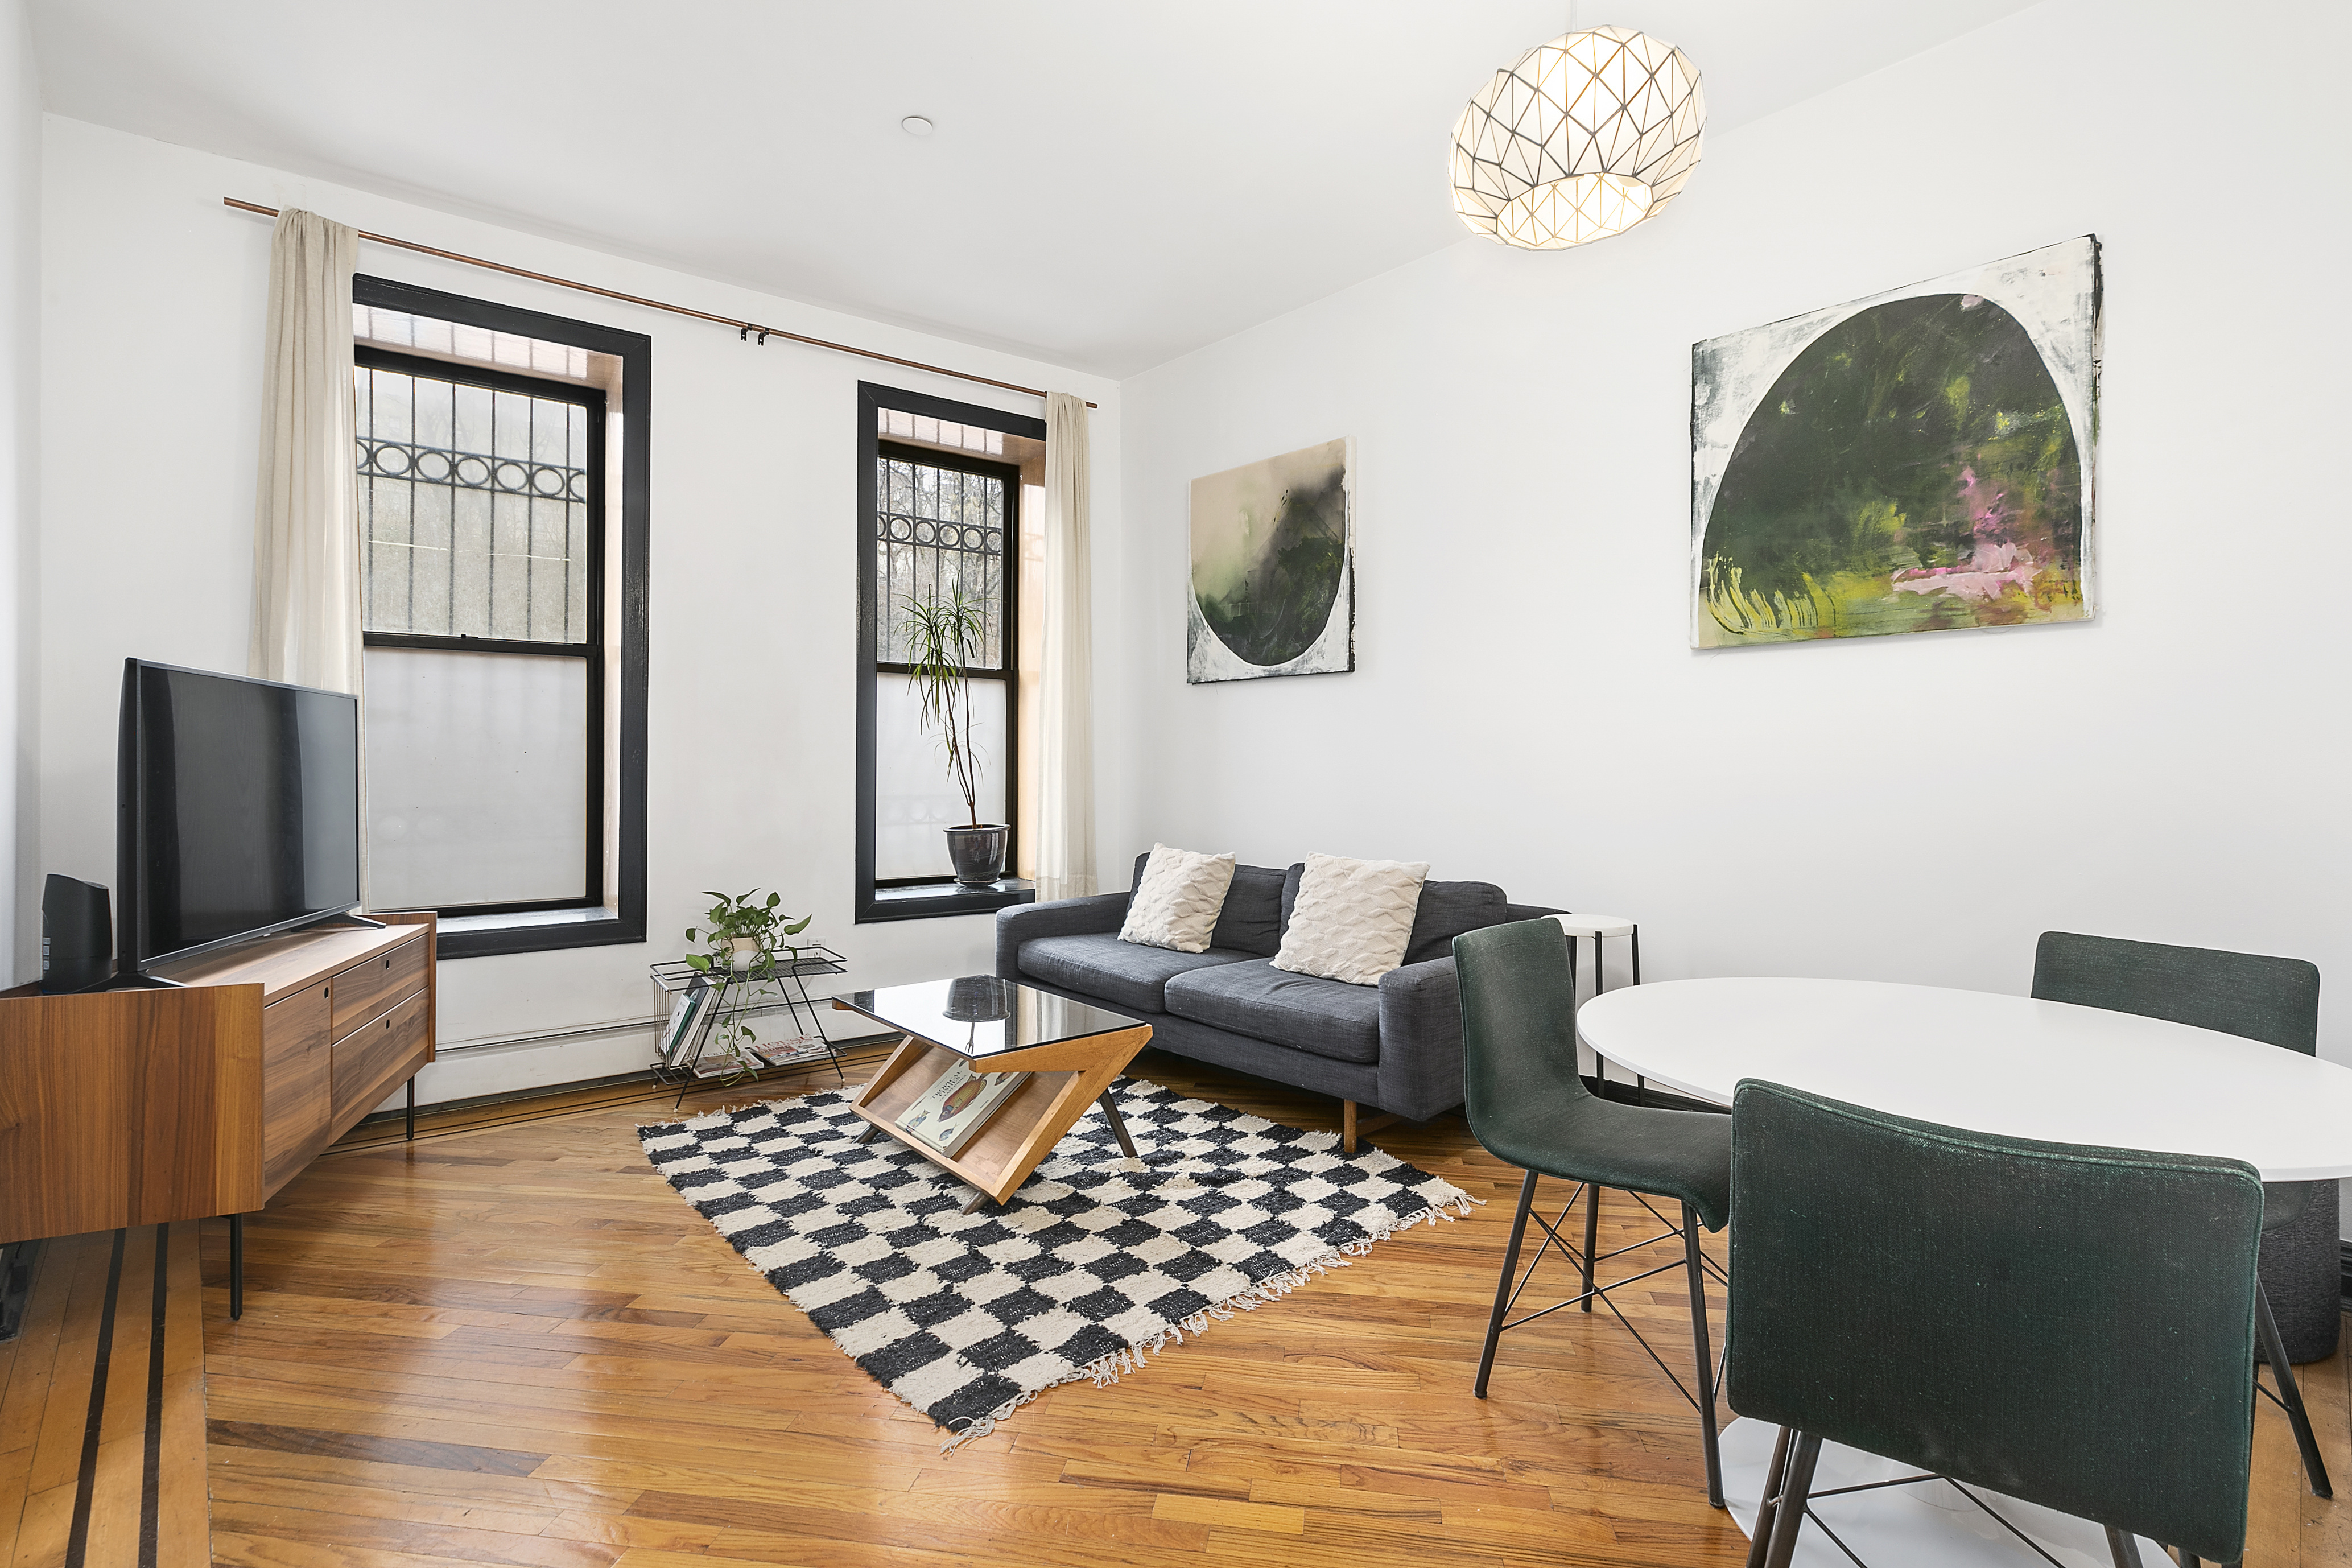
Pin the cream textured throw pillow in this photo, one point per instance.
(1353, 918)
(1177, 903)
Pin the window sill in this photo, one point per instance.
(540, 930)
(934, 900)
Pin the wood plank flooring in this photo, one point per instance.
(101, 1407)
(510, 1342)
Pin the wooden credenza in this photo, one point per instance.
(130, 1107)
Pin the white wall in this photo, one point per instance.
(20, 259)
(1527, 708)
(151, 333)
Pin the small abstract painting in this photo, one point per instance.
(1273, 583)
(1918, 461)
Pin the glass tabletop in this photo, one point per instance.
(981, 1015)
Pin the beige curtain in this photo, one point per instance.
(306, 542)
(1066, 785)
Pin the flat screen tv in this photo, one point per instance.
(238, 811)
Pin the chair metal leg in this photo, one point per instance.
(2123, 1548)
(1503, 1286)
(1759, 1540)
(1706, 1356)
(1795, 1488)
(1592, 1236)
(1635, 938)
(2290, 1394)
(412, 1108)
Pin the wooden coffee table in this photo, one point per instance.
(1073, 1052)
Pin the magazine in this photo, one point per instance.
(687, 1008)
(949, 1114)
(799, 1049)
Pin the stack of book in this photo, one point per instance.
(689, 1017)
(784, 1053)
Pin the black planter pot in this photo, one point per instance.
(977, 854)
(979, 999)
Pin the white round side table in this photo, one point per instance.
(1598, 928)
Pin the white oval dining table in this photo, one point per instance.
(1991, 1063)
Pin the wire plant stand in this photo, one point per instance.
(779, 985)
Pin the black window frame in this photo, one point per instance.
(570, 922)
(903, 899)
(590, 650)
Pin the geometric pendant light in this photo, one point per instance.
(1581, 138)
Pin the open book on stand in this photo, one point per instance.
(949, 1114)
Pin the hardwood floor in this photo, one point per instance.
(101, 1407)
(510, 1342)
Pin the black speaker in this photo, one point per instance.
(77, 937)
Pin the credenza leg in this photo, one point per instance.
(235, 1266)
(412, 1108)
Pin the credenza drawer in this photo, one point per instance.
(371, 1058)
(371, 985)
(296, 1093)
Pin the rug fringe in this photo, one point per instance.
(1106, 1369)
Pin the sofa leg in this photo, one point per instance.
(1354, 1124)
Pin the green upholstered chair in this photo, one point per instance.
(2274, 1000)
(1527, 1105)
(2067, 1325)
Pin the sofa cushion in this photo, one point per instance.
(1352, 919)
(1253, 916)
(1177, 899)
(1449, 909)
(1329, 1017)
(1120, 973)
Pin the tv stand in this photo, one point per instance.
(202, 1088)
(350, 919)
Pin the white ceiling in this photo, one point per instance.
(1110, 184)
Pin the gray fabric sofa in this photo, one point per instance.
(1395, 1046)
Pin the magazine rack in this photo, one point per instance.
(744, 995)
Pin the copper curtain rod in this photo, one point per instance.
(743, 329)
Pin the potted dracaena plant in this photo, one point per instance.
(946, 633)
(739, 936)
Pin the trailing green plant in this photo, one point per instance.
(743, 915)
(945, 634)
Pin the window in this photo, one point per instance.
(501, 498)
(949, 502)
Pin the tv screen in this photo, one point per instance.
(239, 809)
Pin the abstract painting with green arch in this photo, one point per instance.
(1914, 466)
(1271, 585)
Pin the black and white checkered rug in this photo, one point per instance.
(1097, 1261)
